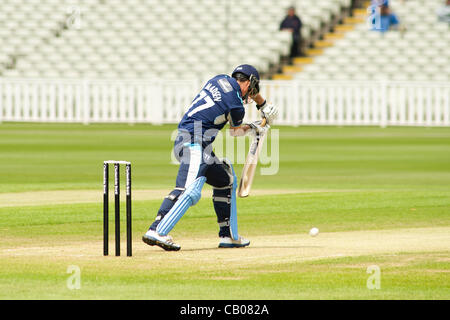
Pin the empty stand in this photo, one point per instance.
(148, 39)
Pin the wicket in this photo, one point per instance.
(116, 205)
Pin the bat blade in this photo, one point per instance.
(248, 172)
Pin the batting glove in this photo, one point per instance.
(258, 128)
(269, 111)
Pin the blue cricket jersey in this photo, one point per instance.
(217, 103)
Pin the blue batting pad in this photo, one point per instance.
(233, 208)
(189, 198)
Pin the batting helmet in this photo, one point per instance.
(248, 72)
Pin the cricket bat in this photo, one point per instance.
(248, 172)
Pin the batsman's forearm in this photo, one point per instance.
(239, 131)
(258, 99)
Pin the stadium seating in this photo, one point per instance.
(149, 38)
(419, 53)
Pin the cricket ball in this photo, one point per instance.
(313, 232)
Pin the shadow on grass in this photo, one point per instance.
(251, 248)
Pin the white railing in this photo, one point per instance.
(379, 103)
(382, 103)
(91, 101)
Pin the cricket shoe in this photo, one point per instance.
(228, 242)
(152, 238)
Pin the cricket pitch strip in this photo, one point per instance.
(263, 250)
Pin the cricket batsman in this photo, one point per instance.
(221, 100)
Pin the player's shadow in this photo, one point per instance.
(287, 247)
(255, 248)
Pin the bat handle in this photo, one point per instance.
(263, 122)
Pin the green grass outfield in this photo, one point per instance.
(380, 197)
